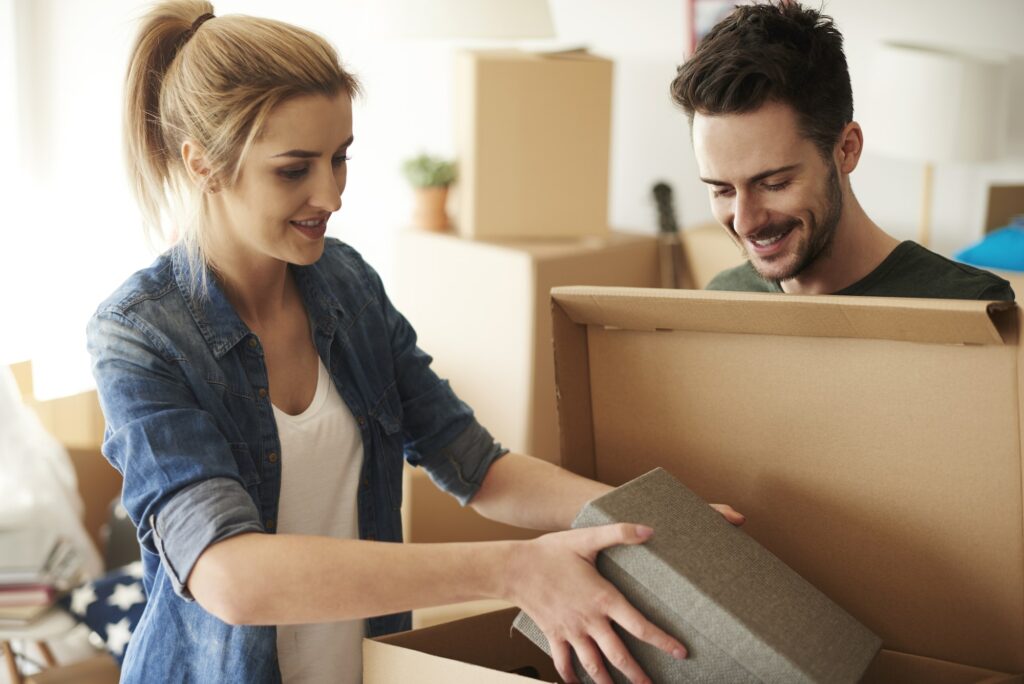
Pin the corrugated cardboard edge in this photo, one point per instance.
(385, 663)
(572, 375)
(911, 320)
(412, 656)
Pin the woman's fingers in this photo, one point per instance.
(590, 540)
(618, 656)
(590, 659)
(633, 621)
(561, 656)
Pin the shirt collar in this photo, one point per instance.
(216, 318)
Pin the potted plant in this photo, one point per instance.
(430, 177)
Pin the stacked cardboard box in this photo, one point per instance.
(534, 132)
(873, 444)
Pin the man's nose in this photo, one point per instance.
(749, 215)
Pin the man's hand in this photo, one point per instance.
(727, 512)
(554, 580)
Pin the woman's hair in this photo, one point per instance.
(213, 81)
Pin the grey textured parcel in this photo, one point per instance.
(743, 614)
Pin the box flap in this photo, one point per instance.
(911, 320)
(885, 471)
(482, 648)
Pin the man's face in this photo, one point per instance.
(770, 188)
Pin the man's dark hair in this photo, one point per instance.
(774, 52)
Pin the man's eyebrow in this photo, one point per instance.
(307, 154)
(755, 178)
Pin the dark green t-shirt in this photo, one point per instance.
(909, 271)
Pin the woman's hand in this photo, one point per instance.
(554, 580)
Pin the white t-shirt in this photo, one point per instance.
(321, 458)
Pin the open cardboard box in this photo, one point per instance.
(873, 444)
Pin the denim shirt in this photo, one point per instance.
(183, 386)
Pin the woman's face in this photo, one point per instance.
(289, 185)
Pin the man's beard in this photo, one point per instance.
(819, 243)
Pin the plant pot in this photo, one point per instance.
(429, 212)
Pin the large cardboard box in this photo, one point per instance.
(481, 308)
(533, 132)
(873, 444)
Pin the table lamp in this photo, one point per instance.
(932, 104)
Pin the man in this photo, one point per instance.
(771, 114)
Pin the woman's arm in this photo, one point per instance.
(302, 579)
(528, 492)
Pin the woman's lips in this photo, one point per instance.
(314, 229)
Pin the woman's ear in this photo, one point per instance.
(849, 147)
(198, 170)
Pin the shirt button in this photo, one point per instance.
(270, 523)
(262, 393)
(272, 457)
(253, 342)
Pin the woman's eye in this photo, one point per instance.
(777, 186)
(340, 159)
(294, 174)
(721, 192)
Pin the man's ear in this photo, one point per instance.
(849, 147)
(198, 170)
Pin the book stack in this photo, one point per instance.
(36, 566)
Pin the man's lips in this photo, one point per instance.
(770, 241)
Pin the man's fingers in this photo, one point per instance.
(590, 659)
(633, 621)
(730, 514)
(562, 657)
(618, 656)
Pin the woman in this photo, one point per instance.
(260, 390)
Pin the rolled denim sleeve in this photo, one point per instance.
(441, 433)
(183, 487)
(200, 515)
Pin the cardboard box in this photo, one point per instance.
(873, 444)
(484, 649)
(532, 137)
(744, 615)
(481, 309)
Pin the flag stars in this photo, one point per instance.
(127, 595)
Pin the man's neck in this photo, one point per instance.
(858, 248)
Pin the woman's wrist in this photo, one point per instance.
(504, 566)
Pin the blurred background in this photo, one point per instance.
(72, 231)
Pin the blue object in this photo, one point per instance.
(1002, 249)
(110, 606)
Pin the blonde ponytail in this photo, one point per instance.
(212, 81)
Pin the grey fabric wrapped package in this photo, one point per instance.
(743, 614)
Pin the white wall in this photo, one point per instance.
(77, 232)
